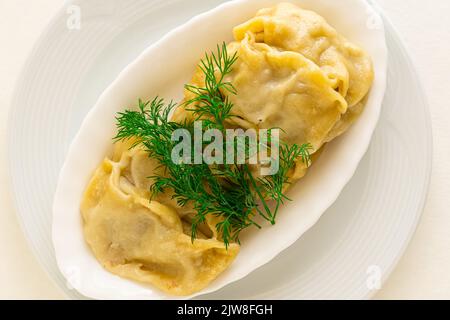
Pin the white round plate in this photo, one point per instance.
(360, 237)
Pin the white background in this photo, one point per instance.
(424, 271)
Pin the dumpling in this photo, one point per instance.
(283, 89)
(139, 171)
(290, 28)
(287, 27)
(147, 241)
(293, 72)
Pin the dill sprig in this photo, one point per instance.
(211, 104)
(274, 185)
(230, 192)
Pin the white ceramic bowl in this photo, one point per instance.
(162, 70)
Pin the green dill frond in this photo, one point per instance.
(210, 101)
(230, 192)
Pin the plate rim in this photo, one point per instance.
(430, 145)
(22, 75)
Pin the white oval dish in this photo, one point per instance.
(162, 70)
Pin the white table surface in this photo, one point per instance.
(424, 271)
